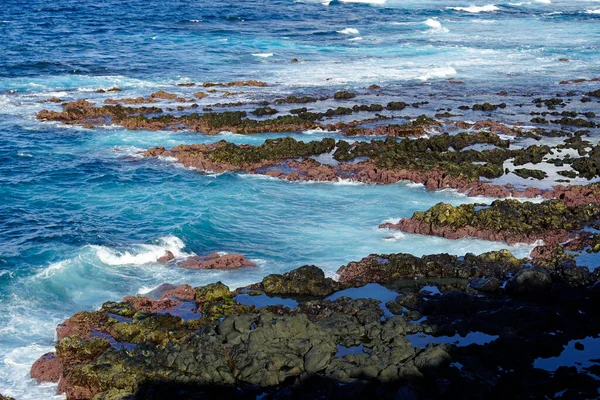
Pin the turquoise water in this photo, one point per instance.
(83, 218)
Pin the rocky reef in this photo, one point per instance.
(509, 221)
(438, 162)
(325, 338)
(389, 325)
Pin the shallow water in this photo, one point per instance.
(83, 219)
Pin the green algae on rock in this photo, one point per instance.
(508, 220)
(347, 340)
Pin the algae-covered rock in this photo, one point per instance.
(305, 281)
(511, 221)
(212, 292)
(76, 350)
(387, 268)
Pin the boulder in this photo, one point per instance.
(46, 369)
(529, 281)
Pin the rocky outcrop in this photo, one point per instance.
(304, 281)
(389, 268)
(378, 162)
(509, 221)
(217, 261)
(127, 350)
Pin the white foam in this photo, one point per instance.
(355, 39)
(315, 131)
(393, 221)
(435, 25)
(52, 269)
(17, 364)
(595, 11)
(349, 31)
(394, 236)
(21, 154)
(141, 254)
(347, 182)
(543, 1)
(475, 9)
(443, 72)
(263, 55)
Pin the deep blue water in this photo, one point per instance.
(83, 220)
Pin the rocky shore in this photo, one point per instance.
(302, 334)
(509, 221)
(389, 325)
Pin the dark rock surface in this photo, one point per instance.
(347, 347)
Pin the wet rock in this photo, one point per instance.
(510, 221)
(486, 285)
(568, 272)
(166, 258)
(143, 303)
(529, 282)
(304, 281)
(217, 261)
(343, 341)
(46, 369)
(214, 291)
(432, 358)
(81, 324)
(392, 267)
(183, 292)
(344, 95)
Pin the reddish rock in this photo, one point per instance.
(166, 258)
(73, 391)
(216, 261)
(575, 195)
(47, 368)
(81, 104)
(81, 324)
(412, 225)
(183, 292)
(146, 304)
